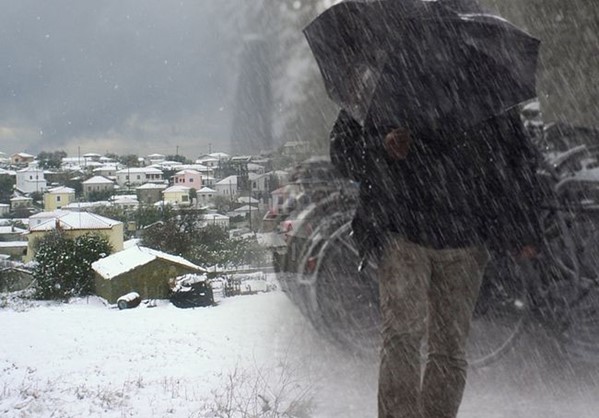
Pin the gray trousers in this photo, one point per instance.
(425, 292)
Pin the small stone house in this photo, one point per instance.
(139, 269)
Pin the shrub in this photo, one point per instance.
(63, 264)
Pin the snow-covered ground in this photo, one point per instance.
(86, 359)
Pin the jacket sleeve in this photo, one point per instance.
(516, 209)
(347, 149)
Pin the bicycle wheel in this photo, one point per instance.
(346, 299)
(573, 294)
(500, 312)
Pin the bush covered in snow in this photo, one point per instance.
(63, 264)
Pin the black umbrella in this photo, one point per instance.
(415, 62)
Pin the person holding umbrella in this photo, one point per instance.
(430, 128)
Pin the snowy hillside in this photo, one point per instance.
(86, 359)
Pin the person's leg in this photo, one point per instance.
(455, 283)
(404, 273)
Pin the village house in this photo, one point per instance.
(21, 158)
(139, 269)
(97, 184)
(259, 183)
(20, 202)
(30, 180)
(57, 197)
(189, 178)
(76, 224)
(137, 176)
(206, 196)
(255, 168)
(177, 195)
(227, 187)
(11, 233)
(4, 209)
(208, 161)
(150, 193)
(154, 159)
(107, 170)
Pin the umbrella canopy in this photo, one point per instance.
(413, 62)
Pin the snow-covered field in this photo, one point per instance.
(85, 359)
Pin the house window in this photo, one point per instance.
(58, 198)
(138, 177)
(184, 198)
(126, 177)
(253, 184)
(191, 180)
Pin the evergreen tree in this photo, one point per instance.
(63, 264)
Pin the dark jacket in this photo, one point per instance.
(453, 190)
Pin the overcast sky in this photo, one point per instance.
(137, 76)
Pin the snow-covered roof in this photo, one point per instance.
(77, 220)
(252, 166)
(108, 167)
(46, 215)
(20, 199)
(10, 230)
(206, 159)
(256, 176)
(228, 180)
(219, 155)
(98, 180)
(145, 170)
(214, 216)
(13, 244)
(246, 208)
(247, 199)
(151, 186)
(177, 189)
(187, 171)
(77, 206)
(206, 190)
(7, 172)
(131, 243)
(30, 168)
(23, 155)
(60, 190)
(129, 259)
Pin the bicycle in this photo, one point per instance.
(557, 291)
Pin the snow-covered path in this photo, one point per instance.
(84, 359)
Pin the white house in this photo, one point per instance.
(205, 196)
(136, 176)
(97, 184)
(255, 168)
(208, 161)
(30, 180)
(227, 187)
(259, 182)
(107, 170)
